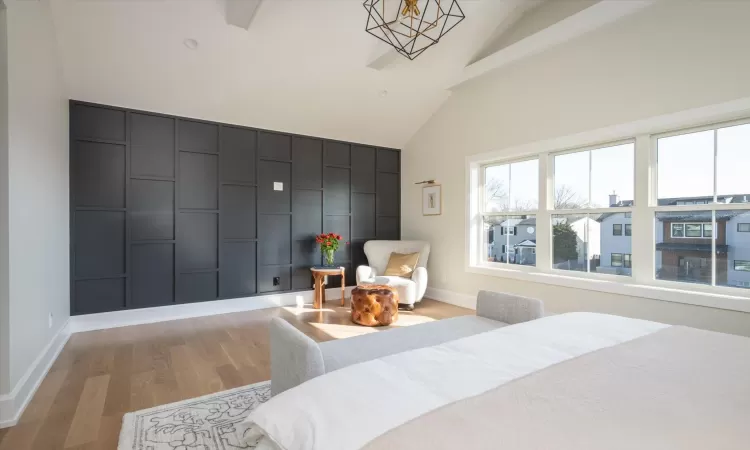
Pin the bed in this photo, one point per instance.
(572, 381)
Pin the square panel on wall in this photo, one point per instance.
(339, 225)
(267, 275)
(238, 212)
(238, 147)
(99, 174)
(307, 220)
(198, 136)
(274, 245)
(95, 296)
(152, 275)
(388, 228)
(197, 287)
(237, 277)
(99, 243)
(275, 146)
(337, 154)
(151, 145)
(307, 163)
(388, 197)
(336, 190)
(363, 169)
(274, 193)
(197, 240)
(388, 160)
(363, 216)
(94, 122)
(151, 210)
(198, 181)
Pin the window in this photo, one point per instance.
(511, 196)
(695, 194)
(692, 230)
(616, 260)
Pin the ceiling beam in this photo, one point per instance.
(596, 16)
(512, 17)
(240, 13)
(383, 56)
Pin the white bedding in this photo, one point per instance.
(346, 409)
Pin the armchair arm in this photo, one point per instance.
(419, 277)
(365, 273)
(295, 358)
(508, 308)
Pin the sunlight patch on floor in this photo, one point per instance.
(339, 331)
(408, 320)
(304, 309)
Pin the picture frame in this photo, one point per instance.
(432, 200)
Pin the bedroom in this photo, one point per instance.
(145, 277)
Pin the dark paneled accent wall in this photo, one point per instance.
(169, 210)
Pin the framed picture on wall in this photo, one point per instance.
(432, 200)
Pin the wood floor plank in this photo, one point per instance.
(85, 425)
(101, 375)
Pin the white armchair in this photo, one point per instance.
(410, 291)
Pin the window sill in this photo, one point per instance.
(665, 291)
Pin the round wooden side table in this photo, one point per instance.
(319, 274)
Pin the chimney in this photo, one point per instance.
(614, 199)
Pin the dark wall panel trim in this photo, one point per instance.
(107, 125)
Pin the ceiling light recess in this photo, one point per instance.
(412, 26)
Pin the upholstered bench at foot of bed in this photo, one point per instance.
(296, 358)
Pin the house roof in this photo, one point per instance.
(527, 243)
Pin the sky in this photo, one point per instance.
(685, 169)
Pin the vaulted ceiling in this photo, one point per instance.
(301, 66)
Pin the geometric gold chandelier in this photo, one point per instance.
(412, 26)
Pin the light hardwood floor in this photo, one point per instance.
(100, 375)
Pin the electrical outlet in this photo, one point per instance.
(50, 320)
(277, 281)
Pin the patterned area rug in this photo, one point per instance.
(212, 422)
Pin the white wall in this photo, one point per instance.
(38, 163)
(670, 57)
(4, 291)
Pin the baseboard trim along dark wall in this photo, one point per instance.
(168, 210)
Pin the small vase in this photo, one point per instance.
(328, 255)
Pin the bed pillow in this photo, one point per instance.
(401, 265)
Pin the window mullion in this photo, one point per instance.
(543, 217)
(643, 236)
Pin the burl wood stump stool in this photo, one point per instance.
(374, 305)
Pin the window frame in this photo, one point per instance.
(627, 260)
(743, 231)
(643, 283)
(628, 230)
(734, 265)
(684, 225)
(615, 233)
(482, 250)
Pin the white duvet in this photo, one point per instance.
(347, 408)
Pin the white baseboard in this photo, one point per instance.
(129, 317)
(12, 405)
(453, 298)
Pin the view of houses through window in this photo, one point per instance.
(697, 238)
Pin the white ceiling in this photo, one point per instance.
(302, 66)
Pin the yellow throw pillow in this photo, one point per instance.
(401, 265)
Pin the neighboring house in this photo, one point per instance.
(584, 227)
(683, 242)
(513, 241)
(616, 245)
